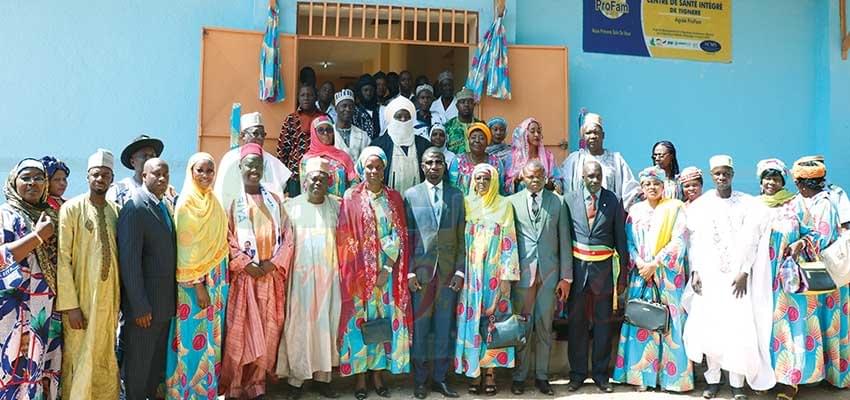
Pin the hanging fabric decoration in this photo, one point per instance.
(271, 86)
(235, 116)
(490, 64)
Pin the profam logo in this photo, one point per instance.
(612, 9)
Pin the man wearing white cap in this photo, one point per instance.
(445, 106)
(425, 118)
(348, 137)
(308, 349)
(89, 287)
(731, 307)
(228, 181)
(616, 174)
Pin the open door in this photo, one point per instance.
(545, 99)
(230, 72)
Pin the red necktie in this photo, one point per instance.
(591, 210)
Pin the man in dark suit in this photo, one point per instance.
(147, 252)
(598, 230)
(436, 222)
(546, 268)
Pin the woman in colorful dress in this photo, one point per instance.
(527, 146)
(57, 180)
(809, 342)
(656, 233)
(372, 245)
(691, 181)
(499, 127)
(664, 157)
(194, 358)
(31, 332)
(261, 250)
(492, 263)
(460, 170)
(342, 175)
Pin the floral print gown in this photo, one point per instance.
(810, 332)
(193, 363)
(486, 265)
(646, 358)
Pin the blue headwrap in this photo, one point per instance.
(51, 165)
(653, 172)
(364, 155)
(497, 121)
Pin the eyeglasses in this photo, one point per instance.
(659, 155)
(30, 180)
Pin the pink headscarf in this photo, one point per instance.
(519, 152)
(319, 149)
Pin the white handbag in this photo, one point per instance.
(836, 257)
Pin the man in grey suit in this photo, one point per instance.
(436, 223)
(598, 230)
(546, 269)
(147, 253)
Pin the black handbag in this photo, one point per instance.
(377, 331)
(817, 278)
(651, 315)
(508, 332)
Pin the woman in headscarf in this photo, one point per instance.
(438, 139)
(527, 146)
(460, 170)
(656, 233)
(499, 128)
(261, 249)
(809, 331)
(366, 114)
(664, 157)
(372, 246)
(57, 180)
(194, 358)
(342, 173)
(294, 140)
(691, 180)
(30, 330)
(492, 263)
(403, 148)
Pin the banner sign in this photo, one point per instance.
(687, 29)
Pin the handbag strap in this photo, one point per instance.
(656, 293)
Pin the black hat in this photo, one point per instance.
(138, 143)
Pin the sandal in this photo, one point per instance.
(490, 389)
(361, 394)
(382, 391)
(787, 393)
(475, 386)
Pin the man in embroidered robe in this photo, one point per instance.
(89, 287)
(730, 313)
(616, 174)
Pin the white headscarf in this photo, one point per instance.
(402, 133)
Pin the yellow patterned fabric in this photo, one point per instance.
(201, 226)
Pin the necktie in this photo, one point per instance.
(437, 206)
(165, 214)
(591, 210)
(535, 206)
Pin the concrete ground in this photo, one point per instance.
(401, 387)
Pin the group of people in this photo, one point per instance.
(372, 243)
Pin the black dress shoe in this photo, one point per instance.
(544, 387)
(326, 390)
(420, 392)
(605, 387)
(517, 387)
(444, 390)
(574, 385)
(739, 394)
(382, 391)
(294, 393)
(711, 390)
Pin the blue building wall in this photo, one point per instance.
(76, 77)
(785, 94)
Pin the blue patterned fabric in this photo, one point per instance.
(490, 65)
(271, 86)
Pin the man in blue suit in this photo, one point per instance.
(147, 253)
(436, 223)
